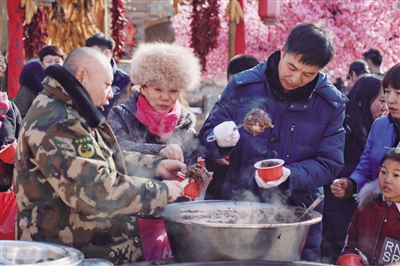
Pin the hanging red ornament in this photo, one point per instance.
(269, 10)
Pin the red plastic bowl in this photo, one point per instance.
(190, 190)
(180, 176)
(7, 154)
(351, 259)
(270, 173)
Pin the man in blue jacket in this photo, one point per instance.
(307, 112)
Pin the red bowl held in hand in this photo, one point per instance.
(190, 190)
(8, 152)
(270, 173)
(180, 176)
(351, 259)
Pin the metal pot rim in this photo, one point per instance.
(317, 217)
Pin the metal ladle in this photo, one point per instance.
(312, 206)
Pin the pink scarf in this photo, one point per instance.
(160, 124)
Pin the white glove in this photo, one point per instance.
(261, 183)
(225, 134)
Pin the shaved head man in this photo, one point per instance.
(94, 72)
(71, 182)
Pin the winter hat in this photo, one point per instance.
(169, 66)
(4, 104)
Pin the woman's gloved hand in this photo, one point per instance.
(269, 184)
(226, 135)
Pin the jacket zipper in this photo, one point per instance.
(290, 140)
(374, 258)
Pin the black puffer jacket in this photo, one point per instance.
(30, 80)
(132, 135)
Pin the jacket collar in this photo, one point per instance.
(77, 93)
(272, 75)
(320, 85)
(113, 65)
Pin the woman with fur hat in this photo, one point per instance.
(155, 119)
(374, 232)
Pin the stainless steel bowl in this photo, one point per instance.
(38, 253)
(231, 230)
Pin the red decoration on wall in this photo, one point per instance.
(15, 47)
(118, 24)
(269, 10)
(205, 26)
(240, 37)
(35, 34)
(130, 34)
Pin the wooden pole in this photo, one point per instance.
(106, 26)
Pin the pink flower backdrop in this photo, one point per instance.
(358, 25)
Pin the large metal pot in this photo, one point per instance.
(231, 230)
(38, 253)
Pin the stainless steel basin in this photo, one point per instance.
(231, 230)
(13, 252)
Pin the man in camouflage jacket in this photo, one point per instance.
(71, 184)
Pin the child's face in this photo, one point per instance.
(389, 180)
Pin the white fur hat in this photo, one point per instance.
(169, 66)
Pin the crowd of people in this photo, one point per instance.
(98, 150)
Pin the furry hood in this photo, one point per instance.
(169, 66)
(369, 193)
(32, 76)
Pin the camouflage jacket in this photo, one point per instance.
(71, 184)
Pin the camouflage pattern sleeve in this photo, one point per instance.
(79, 166)
(139, 164)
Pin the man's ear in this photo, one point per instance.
(354, 75)
(282, 49)
(80, 74)
(107, 53)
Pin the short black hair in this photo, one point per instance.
(374, 55)
(100, 40)
(50, 50)
(360, 67)
(312, 42)
(241, 62)
(392, 77)
(391, 154)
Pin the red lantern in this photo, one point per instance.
(269, 10)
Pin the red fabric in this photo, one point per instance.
(4, 104)
(8, 213)
(15, 47)
(154, 238)
(160, 124)
(369, 226)
(240, 42)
